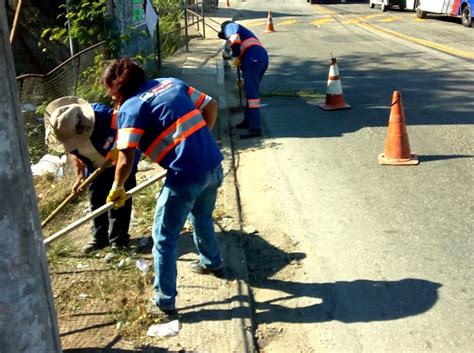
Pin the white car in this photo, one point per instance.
(461, 8)
(386, 4)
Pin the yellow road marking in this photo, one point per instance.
(325, 10)
(361, 19)
(426, 43)
(255, 23)
(353, 21)
(369, 17)
(287, 22)
(359, 22)
(322, 21)
(389, 19)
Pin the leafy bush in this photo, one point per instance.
(90, 87)
(83, 22)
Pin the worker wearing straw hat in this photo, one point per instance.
(87, 133)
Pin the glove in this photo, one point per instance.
(240, 83)
(236, 62)
(117, 195)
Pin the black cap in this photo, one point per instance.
(221, 34)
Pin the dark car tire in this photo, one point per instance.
(466, 16)
(384, 7)
(420, 14)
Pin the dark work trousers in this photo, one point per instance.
(110, 227)
(252, 73)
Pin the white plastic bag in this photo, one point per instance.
(164, 330)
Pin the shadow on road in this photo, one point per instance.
(361, 300)
(349, 301)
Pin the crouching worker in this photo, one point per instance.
(87, 133)
(170, 122)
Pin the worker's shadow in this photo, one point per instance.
(360, 300)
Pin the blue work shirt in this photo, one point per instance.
(244, 44)
(163, 119)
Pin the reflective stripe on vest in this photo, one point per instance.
(253, 103)
(113, 124)
(196, 96)
(128, 138)
(247, 44)
(174, 134)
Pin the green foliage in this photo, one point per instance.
(170, 23)
(34, 130)
(86, 21)
(90, 87)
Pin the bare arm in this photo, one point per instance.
(79, 169)
(209, 113)
(124, 166)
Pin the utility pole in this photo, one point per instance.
(71, 42)
(28, 322)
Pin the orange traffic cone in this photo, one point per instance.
(397, 147)
(334, 97)
(270, 28)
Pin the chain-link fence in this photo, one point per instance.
(34, 89)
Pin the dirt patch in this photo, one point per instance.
(274, 264)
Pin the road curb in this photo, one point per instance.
(241, 306)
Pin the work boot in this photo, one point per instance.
(251, 133)
(243, 125)
(160, 315)
(197, 267)
(116, 246)
(93, 246)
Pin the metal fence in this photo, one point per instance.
(35, 89)
(61, 81)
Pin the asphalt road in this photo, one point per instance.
(388, 250)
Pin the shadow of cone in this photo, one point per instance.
(334, 96)
(270, 28)
(397, 147)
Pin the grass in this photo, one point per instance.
(88, 283)
(294, 94)
(50, 193)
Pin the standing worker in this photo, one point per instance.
(252, 58)
(171, 123)
(87, 133)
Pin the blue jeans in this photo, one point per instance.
(195, 199)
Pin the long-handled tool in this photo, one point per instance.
(239, 83)
(240, 108)
(103, 208)
(73, 194)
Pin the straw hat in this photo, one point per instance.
(69, 122)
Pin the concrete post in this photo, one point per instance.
(28, 321)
